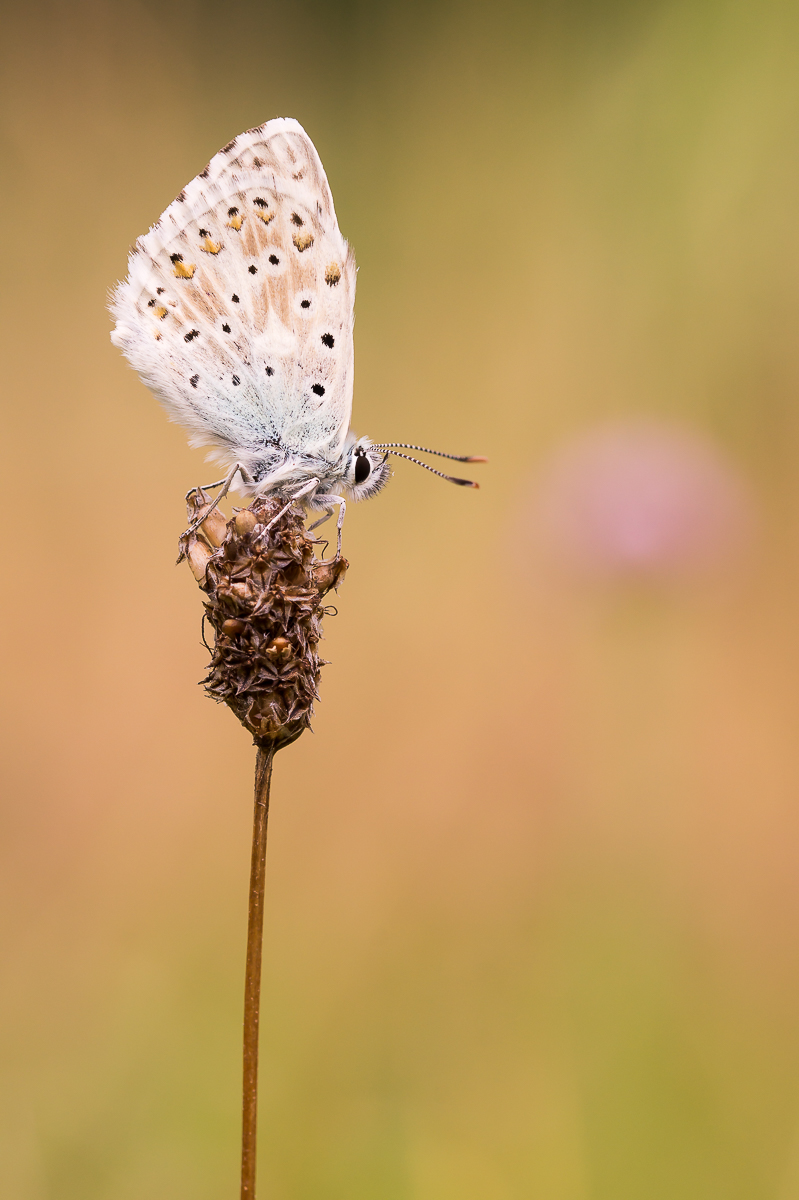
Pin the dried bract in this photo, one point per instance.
(265, 601)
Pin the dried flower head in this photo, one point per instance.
(265, 593)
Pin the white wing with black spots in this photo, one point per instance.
(238, 307)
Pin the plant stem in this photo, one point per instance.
(252, 980)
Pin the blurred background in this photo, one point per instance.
(533, 884)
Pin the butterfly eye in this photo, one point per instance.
(363, 468)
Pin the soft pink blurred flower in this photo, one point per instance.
(644, 499)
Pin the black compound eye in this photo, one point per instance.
(363, 468)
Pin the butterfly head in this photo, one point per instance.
(366, 470)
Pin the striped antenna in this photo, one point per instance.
(441, 475)
(424, 450)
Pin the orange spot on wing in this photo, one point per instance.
(184, 270)
(236, 222)
(211, 247)
(266, 217)
(160, 312)
(302, 241)
(332, 274)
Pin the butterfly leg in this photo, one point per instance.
(321, 521)
(204, 487)
(224, 484)
(342, 508)
(308, 487)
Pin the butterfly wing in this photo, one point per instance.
(238, 307)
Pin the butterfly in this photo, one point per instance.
(238, 312)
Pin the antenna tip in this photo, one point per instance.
(475, 458)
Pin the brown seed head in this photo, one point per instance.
(245, 521)
(198, 555)
(265, 601)
(214, 528)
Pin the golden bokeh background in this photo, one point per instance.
(533, 883)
